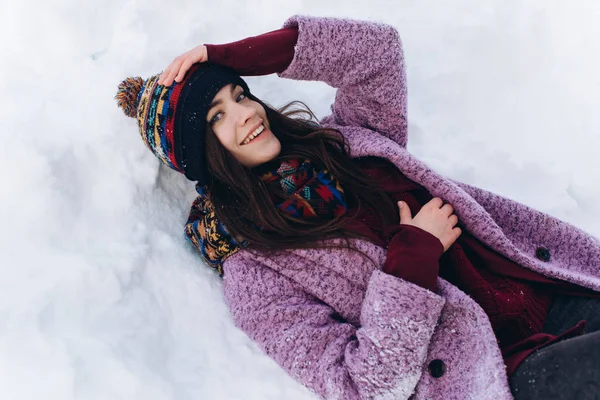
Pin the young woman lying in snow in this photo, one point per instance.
(341, 254)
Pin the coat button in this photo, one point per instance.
(437, 368)
(542, 253)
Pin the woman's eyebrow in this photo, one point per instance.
(219, 101)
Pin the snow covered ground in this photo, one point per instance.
(100, 295)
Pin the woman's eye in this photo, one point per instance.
(214, 119)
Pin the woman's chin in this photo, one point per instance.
(262, 158)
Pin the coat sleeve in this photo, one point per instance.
(381, 359)
(364, 61)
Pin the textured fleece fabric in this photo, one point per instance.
(331, 318)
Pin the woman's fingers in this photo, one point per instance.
(164, 75)
(457, 231)
(448, 209)
(181, 64)
(167, 72)
(436, 202)
(453, 219)
(173, 69)
(174, 72)
(184, 68)
(451, 238)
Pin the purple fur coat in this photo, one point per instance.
(342, 327)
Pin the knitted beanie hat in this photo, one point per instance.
(172, 120)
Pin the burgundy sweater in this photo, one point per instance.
(515, 299)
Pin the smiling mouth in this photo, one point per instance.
(257, 132)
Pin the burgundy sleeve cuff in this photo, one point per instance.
(413, 255)
(269, 53)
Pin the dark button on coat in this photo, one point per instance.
(437, 368)
(543, 254)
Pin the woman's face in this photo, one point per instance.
(235, 118)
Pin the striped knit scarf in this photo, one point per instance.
(297, 189)
(303, 192)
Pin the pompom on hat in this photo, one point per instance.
(172, 119)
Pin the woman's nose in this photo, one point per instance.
(246, 113)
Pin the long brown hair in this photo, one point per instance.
(242, 201)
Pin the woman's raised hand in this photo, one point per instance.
(181, 64)
(434, 218)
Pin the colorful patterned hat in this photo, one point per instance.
(172, 119)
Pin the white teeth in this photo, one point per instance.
(254, 134)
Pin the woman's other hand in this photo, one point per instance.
(434, 217)
(181, 64)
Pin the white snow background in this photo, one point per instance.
(101, 297)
